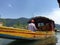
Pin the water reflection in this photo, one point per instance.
(5, 41)
(58, 37)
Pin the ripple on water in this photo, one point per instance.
(58, 37)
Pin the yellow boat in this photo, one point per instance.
(45, 32)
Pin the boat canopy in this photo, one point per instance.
(41, 19)
(43, 22)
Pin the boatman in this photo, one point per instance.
(31, 26)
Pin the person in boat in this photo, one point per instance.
(31, 26)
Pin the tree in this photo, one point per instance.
(4, 21)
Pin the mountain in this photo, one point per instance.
(20, 22)
(57, 26)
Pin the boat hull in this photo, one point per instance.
(38, 37)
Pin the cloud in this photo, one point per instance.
(54, 15)
(10, 5)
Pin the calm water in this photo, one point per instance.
(58, 37)
(7, 41)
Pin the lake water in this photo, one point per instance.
(6, 41)
(58, 37)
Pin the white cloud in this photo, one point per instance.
(54, 15)
(10, 5)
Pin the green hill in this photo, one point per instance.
(57, 26)
(20, 22)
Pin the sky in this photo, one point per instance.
(30, 8)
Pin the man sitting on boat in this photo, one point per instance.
(31, 26)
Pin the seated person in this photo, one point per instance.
(31, 26)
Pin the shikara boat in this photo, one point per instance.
(45, 33)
